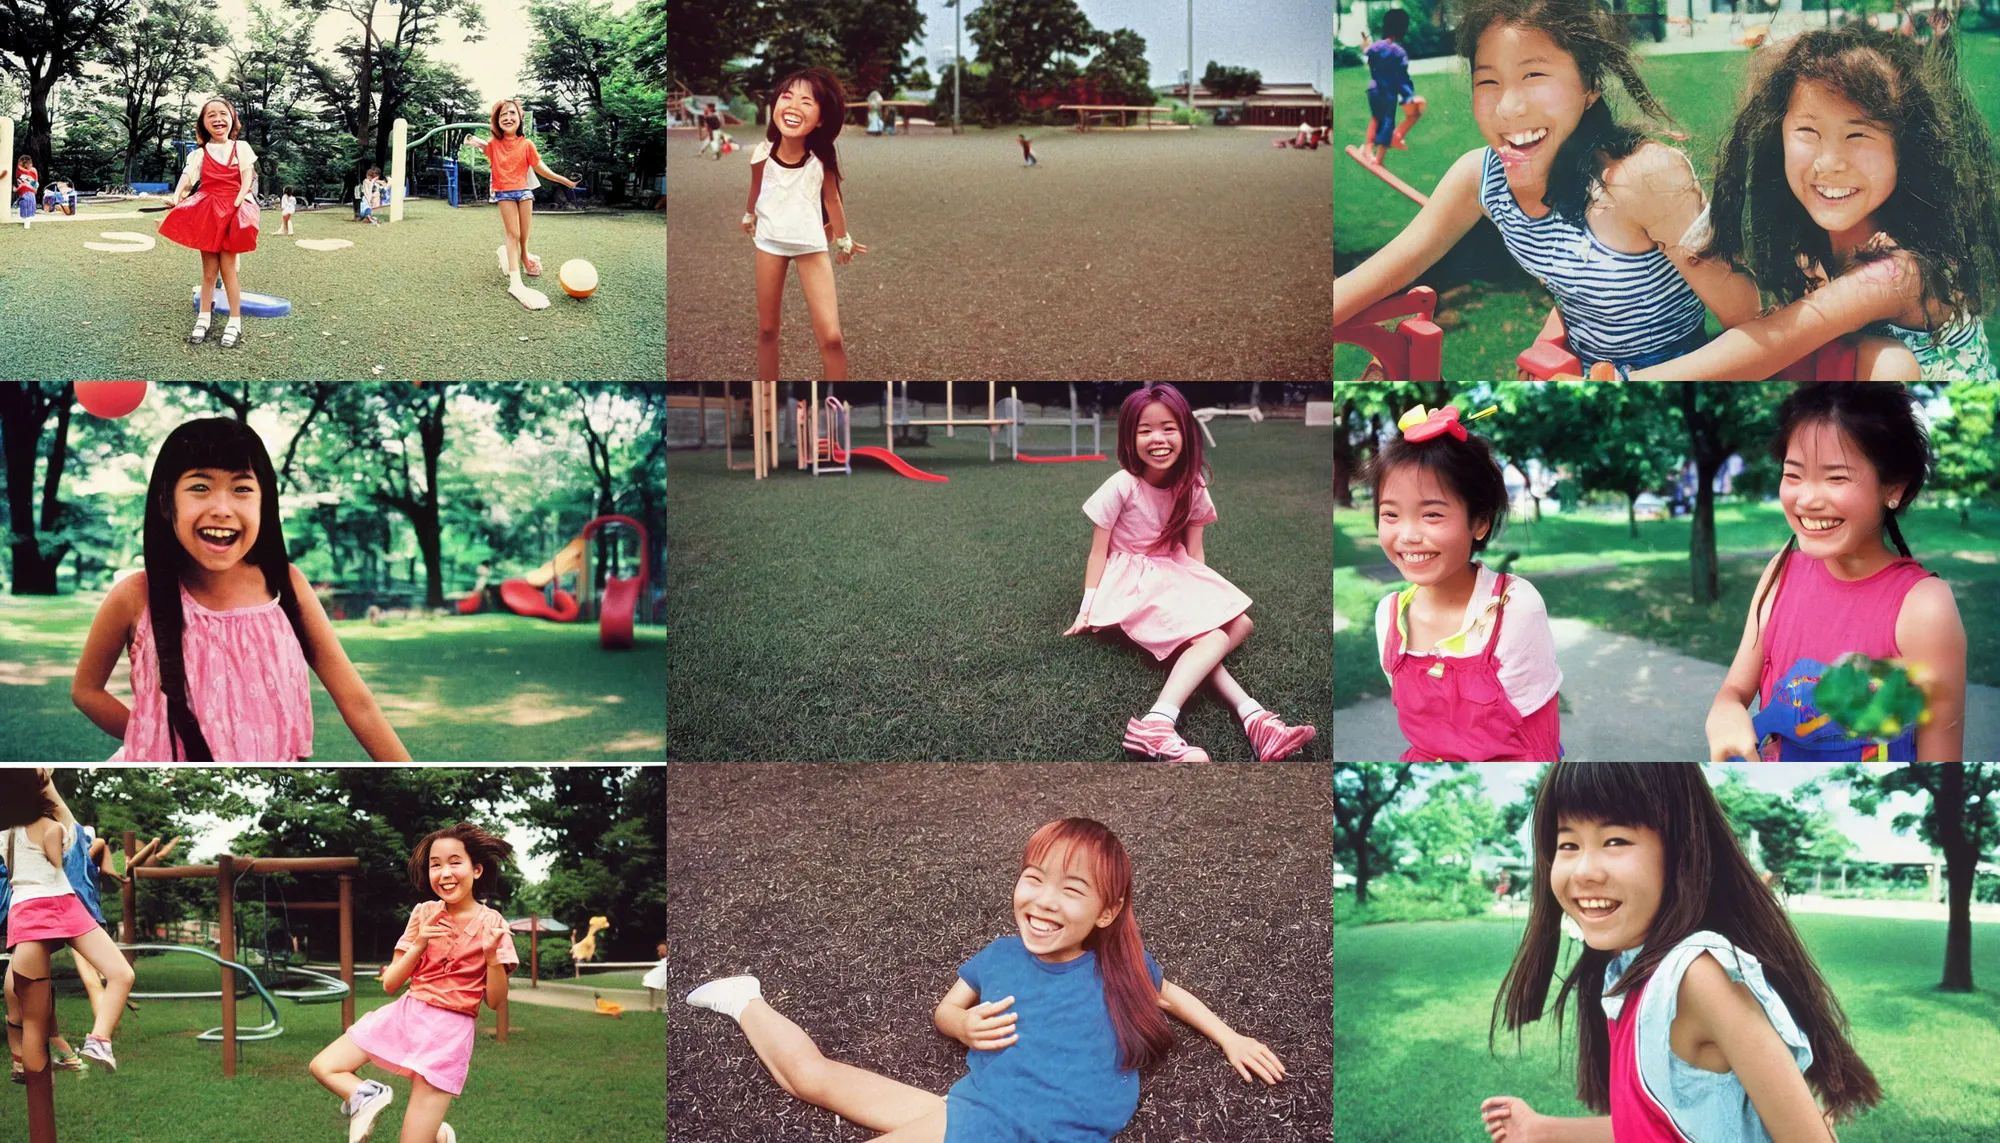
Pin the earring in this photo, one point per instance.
(1892, 504)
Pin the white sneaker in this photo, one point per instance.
(100, 1050)
(446, 1134)
(369, 1100)
(531, 298)
(728, 995)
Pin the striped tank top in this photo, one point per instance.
(1623, 308)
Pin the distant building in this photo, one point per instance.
(1274, 105)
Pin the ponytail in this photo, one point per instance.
(1896, 534)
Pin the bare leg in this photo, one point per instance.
(823, 305)
(211, 265)
(874, 1101)
(425, 1113)
(230, 289)
(31, 1004)
(770, 307)
(510, 217)
(1227, 688)
(1200, 658)
(527, 206)
(93, 985)
(104, 956)
(335, 1066)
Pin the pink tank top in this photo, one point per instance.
(246, 681)
(1636, 1117)
(1821, 618)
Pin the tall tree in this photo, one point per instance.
(706, 36)
(1612, 438)
(268, 81)
(166, 46)
(1362, 793)
(1026, 42)
(606, 830)
(1968, 450)
(1720, 420)
(43, 42)
(421, 415)
(25, 409)
(1961, 817)
(1119, 69)
(385, 62)
(1230, 82)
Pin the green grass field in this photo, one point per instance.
(1647, 594)
(562, 1076)
(871, 617)
(420, 300)
(1412, 1002)
(468, 688)
(1492, 308)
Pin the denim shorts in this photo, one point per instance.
(513, 196)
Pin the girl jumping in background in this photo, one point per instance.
(220, 219)
(1715, 1024)
(511, 155)
(220, 627)
(455, 953)
(44, 912)
(1589, 206)
(1857, 185)
(795, 211)
(1468, 651)
(1854, 457)
(27, 182)
(1148, 576)
(1076, 978)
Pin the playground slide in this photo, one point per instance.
(524, 598)
(1059, 459)
(900, 465)
(617, 611)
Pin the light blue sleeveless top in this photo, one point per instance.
(1962, 352)
(1628, 309)
(1702, 1104)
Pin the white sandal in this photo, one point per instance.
(200, 333)
(232, 333)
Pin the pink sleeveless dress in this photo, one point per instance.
(246, 681)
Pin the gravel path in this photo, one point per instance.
(1171, 255)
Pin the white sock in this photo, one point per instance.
(1248, 707)
(1166, 711)
(729, 995)
(514, 278)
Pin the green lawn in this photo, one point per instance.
(562, 1076)
(422, 299)
(468, 688)
(1647, 594)
(870, 617)
(1492, 308)
(1412, 1002)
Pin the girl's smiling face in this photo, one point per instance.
(797, 111)
(510, 117)
(1159, 436)
(217, 119)
(1056, 907)
(216, 515)
(1423, 526)
(1527, 97)
(1840, 164)
(1609, 879)
(1832, 496)
(452, 872)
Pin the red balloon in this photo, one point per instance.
(110, 398)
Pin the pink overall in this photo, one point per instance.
(1454, 709)
(1635, 1116)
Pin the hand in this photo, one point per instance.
(1081, 625)
(1731, 735)
(750, 227)
(1247, 1055)
(1511, 1120)
(489, 945)
(844, 259)
(986, 1030)
(433, 929)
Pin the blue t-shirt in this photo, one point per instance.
(1388, 67)
(1060, 1083)
(82, 874)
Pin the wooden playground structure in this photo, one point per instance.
(1103, 110)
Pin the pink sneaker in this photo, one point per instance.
(1158, 741)
(1272, 738)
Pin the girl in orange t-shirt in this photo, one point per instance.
(512, 155)
(455, 953)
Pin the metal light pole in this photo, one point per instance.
(1190, 46)
(957, 27)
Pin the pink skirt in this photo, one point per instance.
(412, 1038)
(48, 919)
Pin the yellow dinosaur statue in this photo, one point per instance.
(586, 949)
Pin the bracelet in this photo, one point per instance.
(844, 244)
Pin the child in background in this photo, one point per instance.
(1700, 1014)
(1854, 457)
(287, 206)
(1468, 651)
(219, 220)
(367, 192)
(1027, 151)
(220, 627)
(1389, 86)
(1148, 576)
(656, 981)
(455, 954)
(512, 156)
(27, 181)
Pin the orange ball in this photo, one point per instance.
(110, 398)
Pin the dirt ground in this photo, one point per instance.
(855, 892)
(1174, 255)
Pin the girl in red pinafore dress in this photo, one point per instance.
(1147, 576)
(1717, 1025)
(1469, 654)
(1854, 456)
(220, 219)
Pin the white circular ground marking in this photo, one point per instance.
(126, 242)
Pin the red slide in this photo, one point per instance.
(897, 463)
(621, 596)
(524, 598)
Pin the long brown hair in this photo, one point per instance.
(1190, 470)
(1143, 1035)
(832, 100)
(1709, 885)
